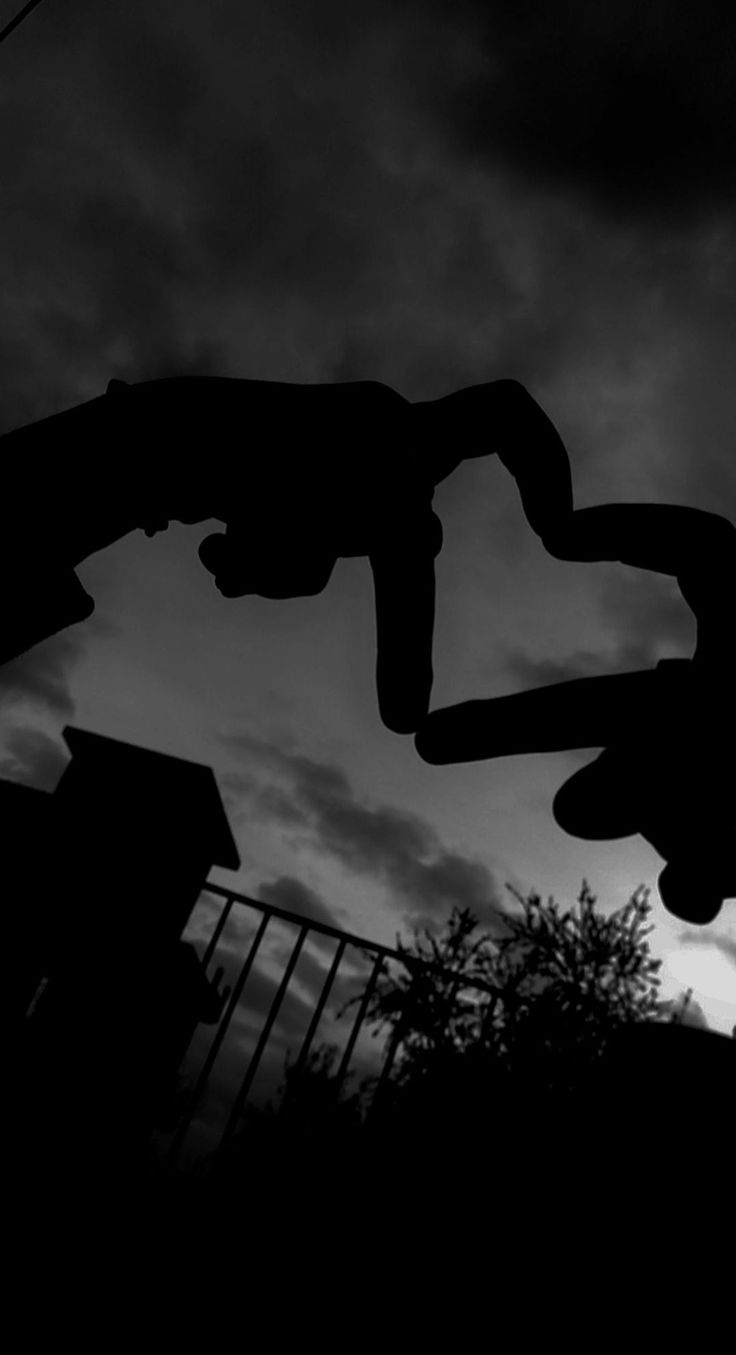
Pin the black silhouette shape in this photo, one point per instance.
(300, 475)
(667, 734)
(18, 19)
(105, 995)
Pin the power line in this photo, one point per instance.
(18, 19)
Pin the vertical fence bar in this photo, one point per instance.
(217, 933)
(343, 939)
(367, 995)
(317, 1014)
(247, 1082)
(38, 994)
(214, 1048)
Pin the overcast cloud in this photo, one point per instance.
(296, 192)
(628, 105)
(396, 848)
(290, 893)
(41, 676)
(645, 619)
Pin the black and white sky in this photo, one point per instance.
(429, 195)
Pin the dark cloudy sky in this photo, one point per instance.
(425, 194)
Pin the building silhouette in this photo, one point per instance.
(100, 878)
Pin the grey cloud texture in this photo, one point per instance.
(41, 676)
(397, 849)
(291, 894)
(37, 686)
(630, 105)
(726, 944)
(33, 758)
(286, 189)
(410, 193)
(646, 619)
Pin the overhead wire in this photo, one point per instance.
(8, 29)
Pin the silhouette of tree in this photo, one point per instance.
(521, 1074)
(310, 1095)
(527, 1013)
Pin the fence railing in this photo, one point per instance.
(269, 912)
(377, 954)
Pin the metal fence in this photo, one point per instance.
(377, 955)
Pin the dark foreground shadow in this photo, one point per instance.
(658, 1104)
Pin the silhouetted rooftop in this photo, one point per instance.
(182, 790)
(26, 798)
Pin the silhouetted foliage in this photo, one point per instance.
(309, 1107)
(526, 1013)
(529, 1011)
(310, 1096)
(521, 1078)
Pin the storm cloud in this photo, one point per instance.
(396, 848)
(41, 677)
(33, 758)
(405, 192)
(37, 689)
(726, 944)
(628, 105)
(289, 893)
